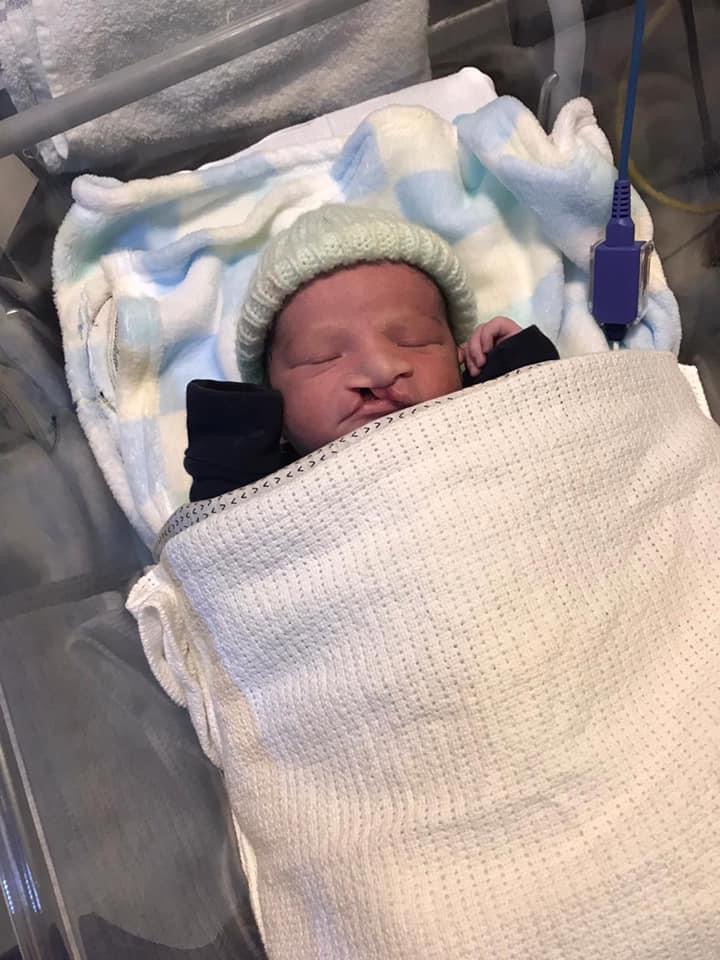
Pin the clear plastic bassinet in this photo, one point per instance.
(115, 839)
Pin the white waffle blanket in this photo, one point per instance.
(461, 671)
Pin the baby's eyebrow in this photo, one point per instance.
(407, 321)
(323, 337)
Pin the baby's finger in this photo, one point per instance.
(488, 336)
(466, 358)
(476, 358)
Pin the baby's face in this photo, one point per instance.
(356, 345)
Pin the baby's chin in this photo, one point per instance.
(304, 443)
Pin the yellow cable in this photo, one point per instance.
(637, 178)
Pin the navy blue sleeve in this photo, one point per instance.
(523, 349)
(234, 436)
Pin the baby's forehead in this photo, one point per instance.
(378, 290)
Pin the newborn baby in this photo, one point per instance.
(360, 314)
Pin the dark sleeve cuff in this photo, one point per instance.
(525, 348)
(234, 435)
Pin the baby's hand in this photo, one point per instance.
(474, 353)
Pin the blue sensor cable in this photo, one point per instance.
(620, 263)
(632, 85)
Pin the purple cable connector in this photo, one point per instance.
(619, 270)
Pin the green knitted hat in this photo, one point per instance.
(340, 236)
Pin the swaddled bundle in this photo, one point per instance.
(459, 668)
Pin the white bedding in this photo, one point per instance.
(461, 671)
(449, 97)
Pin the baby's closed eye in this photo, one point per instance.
(316, 361)
(418, 342)
(416, 332)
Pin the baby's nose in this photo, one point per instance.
(381, 368)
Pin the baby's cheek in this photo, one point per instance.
(307, 418)
(438, 379)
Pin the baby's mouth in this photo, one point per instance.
(372, 404)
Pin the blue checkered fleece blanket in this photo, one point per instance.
(150, 275)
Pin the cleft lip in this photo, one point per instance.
(372, 404)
